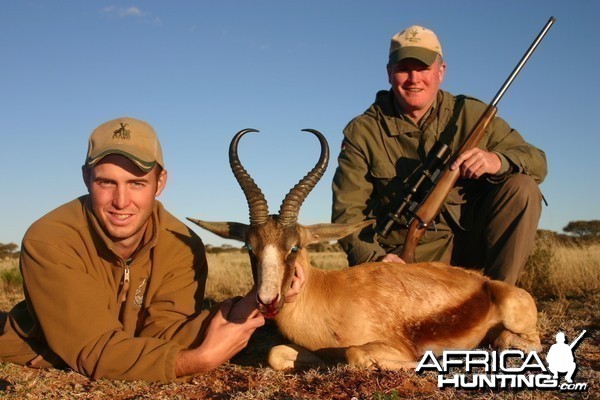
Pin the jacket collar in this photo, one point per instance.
(149, 239)
(384, 109)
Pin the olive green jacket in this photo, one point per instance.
(80, 312)
(381, 149)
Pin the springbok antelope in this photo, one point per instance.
(376, 315)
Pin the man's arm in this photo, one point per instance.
(523, 157)
(351, 194)
(228, 333)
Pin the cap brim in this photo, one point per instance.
(145, 166)
(426, 56)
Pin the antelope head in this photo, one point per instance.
(276, 242)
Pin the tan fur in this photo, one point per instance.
(387, 315)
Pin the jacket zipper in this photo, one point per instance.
(125, 285)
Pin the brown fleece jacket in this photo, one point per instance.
(79, 310)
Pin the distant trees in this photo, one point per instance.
(225, 248)
(10, 250)
(579, 233)
(583, 229)
(321, 247)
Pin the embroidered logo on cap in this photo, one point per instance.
(122, 133)
(412, 36)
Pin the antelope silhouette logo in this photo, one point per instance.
(122, 133)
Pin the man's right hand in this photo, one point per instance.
(223, 339)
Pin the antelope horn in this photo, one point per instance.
(290, 207)
(257, 204)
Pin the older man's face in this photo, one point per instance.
(416, 84)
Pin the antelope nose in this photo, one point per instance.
(266, 303)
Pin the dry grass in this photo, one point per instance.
(10, 284)
(562, 270)
(564, 279)
(229, 273)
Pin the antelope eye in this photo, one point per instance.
(294, 249)
(248, 247)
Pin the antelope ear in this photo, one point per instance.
(327, 232)
(227, 230)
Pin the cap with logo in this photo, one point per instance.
(129, 137)
(415, 42)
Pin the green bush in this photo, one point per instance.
(11, 277)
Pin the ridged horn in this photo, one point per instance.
(257, 204)
(290, 207)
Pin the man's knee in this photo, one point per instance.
(519, 196)
(521, 189)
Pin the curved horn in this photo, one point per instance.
(257, 204)
(290, 207)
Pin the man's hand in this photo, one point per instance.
(476, 162)
(393, 258)
(223, 340)
(297, 283)
(243, 309)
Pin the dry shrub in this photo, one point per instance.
(558, 269)
(11, 283)
(9, 263)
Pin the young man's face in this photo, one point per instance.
(123, 197)
(415, 85)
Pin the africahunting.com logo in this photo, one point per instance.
(508, 369)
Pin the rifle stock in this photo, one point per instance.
(432, 204)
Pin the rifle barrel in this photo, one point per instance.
(521, 63)
(574, 342)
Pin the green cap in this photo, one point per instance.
(129, 137)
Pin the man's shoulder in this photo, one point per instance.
(368, 120)
(69, 217)
(469, 101)
(173, 227)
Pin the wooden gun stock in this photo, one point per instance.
(430, 207)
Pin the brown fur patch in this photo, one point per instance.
(459, 325)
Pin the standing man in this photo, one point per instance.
(114, 283)
(490, 217)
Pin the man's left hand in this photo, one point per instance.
(297, 283)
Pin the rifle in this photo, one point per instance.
(574, 342)
(436, 171)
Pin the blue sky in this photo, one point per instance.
(199, 71)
